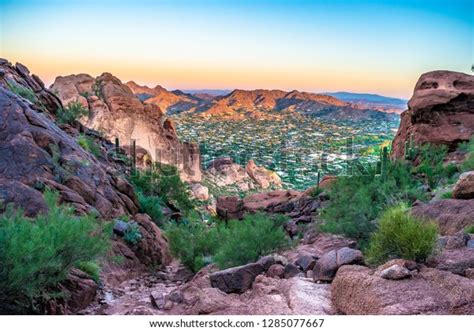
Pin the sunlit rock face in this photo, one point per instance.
(118, 113)
(440, 112)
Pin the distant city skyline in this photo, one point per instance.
(366, 46)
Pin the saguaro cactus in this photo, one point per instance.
(133, 157)
(384, 162)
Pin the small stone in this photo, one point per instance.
(305, 262)
(175, 296)
(266, 262)
(120, 227)
(280, 259)
(458, 240)
(395, 272)
(291, 270)
(157, 299)
(470, 273)
(310, 274)
(470, 243)
(276, 271)
(168, 305)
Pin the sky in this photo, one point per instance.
(359, 46)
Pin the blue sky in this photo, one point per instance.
(361, 46)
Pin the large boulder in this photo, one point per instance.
(327, 265)
(236, 280)
(262, 176)
(116, 111)
(464, 188)
(357, 290)
(440, 112)
(452, 215)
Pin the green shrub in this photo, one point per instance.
(447, 195)
(468, 147)
(89, 144)
(315, 191)
(151, 205)
(22, 91)
(401, 235)
(247, 240)
(91, 268)
(70, 114)
(357, 201)
(164, 181)
(37, 254)
(469, 229)
(431, 165)
(198, 243)
(193, 241)
(132, 235)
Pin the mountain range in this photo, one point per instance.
(261, 103)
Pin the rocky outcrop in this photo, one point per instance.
(452, 215)
(36, 153)
(357, 290)
(299, 207)
(440, 112)
(268, 296)
(223, 172)
(464, 188)
(118, 113)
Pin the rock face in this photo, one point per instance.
(36, 154)
(223, 172)
(440, 112)
(356, 290)
(451, 215)
(117, 112)
(464, 188)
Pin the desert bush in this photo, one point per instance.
(151, 205)
(164, 182)
(132, 235)
(469, 229)
(193, 241)
(71, 113)
(447, 195)
(468, 148)
(401, 235)
(357, 201)
(245, 241)
(37, 254)
(431, 165)
(91, 268)
(198, 243)
(89, 144)
(23, 92)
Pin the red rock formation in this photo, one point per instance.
(440, 112)
(118, 113)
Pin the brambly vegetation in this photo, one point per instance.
(158, 186)
(401, 235)
(228, 244)
(71, 113)
(37, 254)
(358, 201)
(23, 92)
(89, 144)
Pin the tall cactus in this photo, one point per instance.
(384, 163)
(117, 145)
(133, 158)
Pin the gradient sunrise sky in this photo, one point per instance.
(359, 46)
